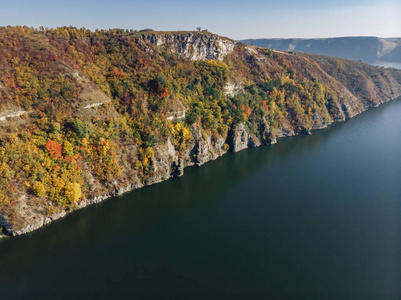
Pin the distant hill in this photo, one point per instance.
(367, 49)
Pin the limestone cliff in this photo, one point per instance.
(192, 45)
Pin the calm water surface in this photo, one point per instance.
(313, 217)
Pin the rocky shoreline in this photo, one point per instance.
(169, 164)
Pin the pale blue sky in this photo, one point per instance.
(233, 18)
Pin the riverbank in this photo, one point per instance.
(238, 139)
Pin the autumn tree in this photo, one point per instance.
(39, 189)
(73, 192)
(54, 149)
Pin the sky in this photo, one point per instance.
(232, 18)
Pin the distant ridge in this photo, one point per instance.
(367, 49)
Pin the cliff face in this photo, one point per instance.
(195, 46)
(138, 116)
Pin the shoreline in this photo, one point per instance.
(8, 231)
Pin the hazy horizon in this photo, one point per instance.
(323, 38)
(234, 19)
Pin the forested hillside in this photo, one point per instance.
(85, 114)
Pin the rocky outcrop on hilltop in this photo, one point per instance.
(192, 45)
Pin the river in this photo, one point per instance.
(312, 217)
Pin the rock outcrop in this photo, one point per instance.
(11, 112)
(175, 109)
(166, 163)
(238, 138)
(207, 150)
(232, 89)
(195, 46)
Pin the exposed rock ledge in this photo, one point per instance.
(232, 89)
(193, 45)
(11, 113)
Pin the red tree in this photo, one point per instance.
(54, 149)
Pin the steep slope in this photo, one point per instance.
(105, 112)
(367, 49)
(393, 53)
